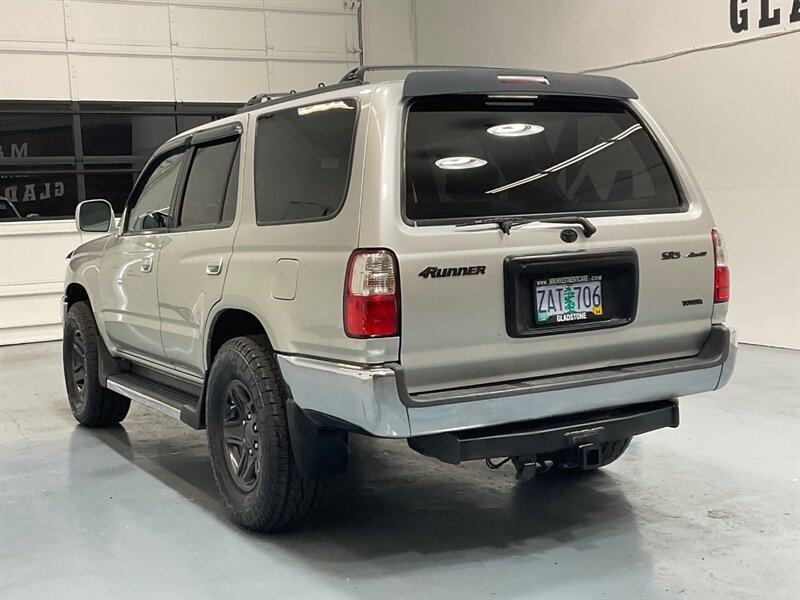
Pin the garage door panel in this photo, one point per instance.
(50, 83)
(256, 4)
(299, 75)
(233, 81)
(325, 5)
(26, 20)
(308, 31)
(215, 28)
(123, 24)
(124, 78)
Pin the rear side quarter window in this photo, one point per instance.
(303, 158)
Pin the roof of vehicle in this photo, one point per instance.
(425, 80)
(434, 80)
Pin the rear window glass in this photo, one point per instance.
(480, 157)
(302, 161)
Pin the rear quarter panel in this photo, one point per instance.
(312, 323)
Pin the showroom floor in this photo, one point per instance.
(708, 510)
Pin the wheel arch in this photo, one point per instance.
(76, 292)
(108, 364)
(228, 323)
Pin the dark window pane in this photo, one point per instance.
(207, 183)
(125, 135)
(186, 122)
(229, 208)
(114, 187)
(28, 136)
(53, 195)
(472, 158)
(7, 210)
(303, 161)
(153, 207)
(190, 122)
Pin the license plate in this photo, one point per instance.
(568, 299)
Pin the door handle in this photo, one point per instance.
(147, 264)
(214, 266)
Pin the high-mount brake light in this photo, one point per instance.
(722, 275)
(371, 294)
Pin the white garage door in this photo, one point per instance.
(166, 52)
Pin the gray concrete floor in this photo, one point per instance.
(709, 510)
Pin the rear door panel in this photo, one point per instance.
(454, 329)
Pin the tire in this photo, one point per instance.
(92, 405)
(569, 462)
(252, 461)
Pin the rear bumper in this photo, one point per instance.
(546, 436)
(375, 400)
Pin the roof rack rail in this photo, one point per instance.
(358, 73)
(270, 98)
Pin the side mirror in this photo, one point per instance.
(94, 216)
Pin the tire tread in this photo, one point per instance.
(102, 407)
(292, 497)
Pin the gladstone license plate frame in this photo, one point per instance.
(568, 298)
(616, 273)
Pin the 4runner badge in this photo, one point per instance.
(452, 271)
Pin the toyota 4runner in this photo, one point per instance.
(487, 263)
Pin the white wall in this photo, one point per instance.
(147, 50)
(388, 27)
(730, 100)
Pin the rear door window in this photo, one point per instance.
(480, 157)
(206, 201)
(302, 161)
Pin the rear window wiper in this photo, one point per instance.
(588, 229)
(506, 223)
(503, 223)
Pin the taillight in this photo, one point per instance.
(722, 276)
(371, 295)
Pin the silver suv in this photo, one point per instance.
(487, 263)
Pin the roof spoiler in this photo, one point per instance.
(435, 80)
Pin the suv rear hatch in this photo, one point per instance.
(492, 291)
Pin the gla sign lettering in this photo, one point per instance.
(32, 192)
(27, 192)
(769, 15)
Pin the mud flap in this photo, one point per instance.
(317, 452)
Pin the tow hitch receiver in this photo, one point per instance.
(591, 456)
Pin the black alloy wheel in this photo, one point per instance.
(242, 452)
(248, 438)
(91, 403)
(78, 354)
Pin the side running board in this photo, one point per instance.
(174, 403)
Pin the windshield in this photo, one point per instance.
(479, 157)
